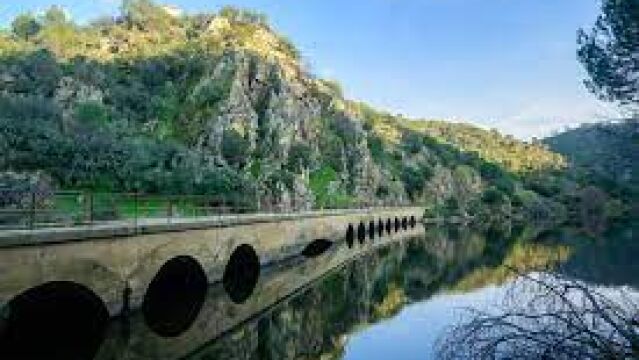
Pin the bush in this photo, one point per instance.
(324, 185)
(244, 15)
(91, 113)
(415, 177)
(235, 148)
(451, 207)
(493, 196)
(299, 157)
(25, 26)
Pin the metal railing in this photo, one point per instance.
(31, 210)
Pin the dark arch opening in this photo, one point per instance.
(317, 248)
(389, 226)
(371, 230)
(404, 223)
(350, 235)
(413, 221)
(175, 296)
(55, 320)
(361, 233)
(396, 224)
(380, 228)
(241, 273)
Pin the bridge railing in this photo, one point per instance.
(30, 210)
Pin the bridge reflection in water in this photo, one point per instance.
(307, 307)
(222, 309)
(179, 311)
(318, 321)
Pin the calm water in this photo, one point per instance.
(391, 302)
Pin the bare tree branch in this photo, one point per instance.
(549, 316)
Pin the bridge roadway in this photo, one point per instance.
(123, 265)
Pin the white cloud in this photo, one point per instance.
(541, 118)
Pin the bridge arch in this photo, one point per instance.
(57, 319)
(380, 228)
(404, 223)
(413, 221)
(389, 226)
(361, 233)
(371, 230)
(317, 248)
(241, 273)
(350, 235)
(396, 224)
(175, 296)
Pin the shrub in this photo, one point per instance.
(299, 157)
(235, 148)
(493, 196)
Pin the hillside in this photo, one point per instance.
(219, 103)
(602, 159)
(603, 153)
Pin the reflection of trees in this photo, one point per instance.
(523, 256)
(550, 317)
(508, 248)
(609, 259)
(316, 321)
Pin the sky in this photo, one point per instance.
(504, 64)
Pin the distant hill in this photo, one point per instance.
(606, 154)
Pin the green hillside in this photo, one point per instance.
(219, 103)
(604, 155)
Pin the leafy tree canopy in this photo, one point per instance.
(55, 15)
(25, 26)
(610, 52)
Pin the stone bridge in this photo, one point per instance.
(82, 276)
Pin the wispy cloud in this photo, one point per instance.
(541, 118)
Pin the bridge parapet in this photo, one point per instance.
(141, 226)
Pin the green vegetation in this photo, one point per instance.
(325, 196)
(609, 52)
(603, 163)
(164, 103)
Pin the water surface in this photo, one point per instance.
(393, 301)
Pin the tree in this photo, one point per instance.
(91, 113)
(299, 157)
(492, 196)
(548, 316)
(412, 142)
(235, 148)
(25, 26)
(55, 16)
(243, 15)
(610, 52)
(145, 15)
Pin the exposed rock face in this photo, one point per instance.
(71, 92)
(441, 186)
(272, 111)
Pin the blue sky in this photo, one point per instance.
(507, 64)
